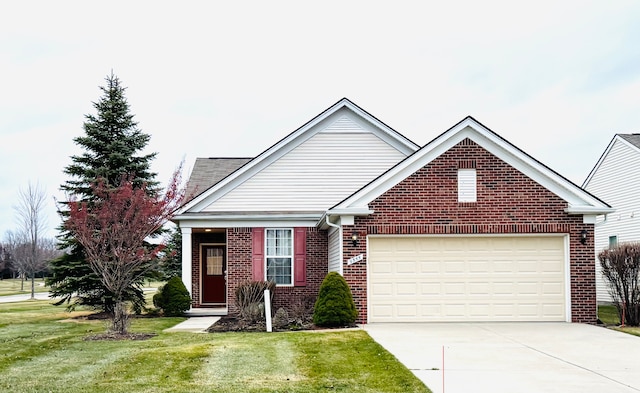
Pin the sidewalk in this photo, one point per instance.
(194, 325)
(24, 296)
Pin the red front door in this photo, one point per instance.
(214, 266)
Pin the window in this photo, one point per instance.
(467, 185)
(215, 261)
(613, 241)
(279, 255)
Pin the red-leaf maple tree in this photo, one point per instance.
(113, 228)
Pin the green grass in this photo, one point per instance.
(43, 350)
(11, 286)
(609, 316)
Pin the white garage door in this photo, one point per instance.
(510, 278)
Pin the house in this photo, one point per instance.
(616, 179)
(466, 228)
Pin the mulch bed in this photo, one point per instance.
(110, 336)
(234, 324)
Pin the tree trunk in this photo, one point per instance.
(33, 286)
(120, 322)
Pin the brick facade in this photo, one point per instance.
(508, 202)
(239, 267)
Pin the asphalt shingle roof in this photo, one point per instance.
(634, 139)
(209, 171)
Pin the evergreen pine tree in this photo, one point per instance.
(112, 145)
(171, 264)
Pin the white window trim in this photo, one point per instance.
(467, 185)
(291, 257)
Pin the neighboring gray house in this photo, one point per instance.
(616, 180)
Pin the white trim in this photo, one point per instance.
(226, 287)
(604, 155)
(291, 256)
(567, 278)
(488, 140)
(288, 143)
(187, 261)
(215, 222)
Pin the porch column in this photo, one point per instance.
(186, 258)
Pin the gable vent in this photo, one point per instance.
(344, 124)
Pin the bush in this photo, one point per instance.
(250, 299)
(281, 319)
(173, 298)
(621, 267)
(335, 306)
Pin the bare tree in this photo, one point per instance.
(4, 260)
(621, 267)
(113, 228)
(32, 224)
(16, 249)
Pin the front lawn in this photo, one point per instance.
(43, 350)
(16, 286)
(609, 316)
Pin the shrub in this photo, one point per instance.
(173, 298)
(250, 299)
(281, 319)
(621, 267)
(335, 306)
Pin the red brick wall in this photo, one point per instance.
(239, 267)
(508, 202)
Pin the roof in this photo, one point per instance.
(579, 200)
(289, 142)
(208, 171)
(634, 139)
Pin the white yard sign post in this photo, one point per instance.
(267, 309)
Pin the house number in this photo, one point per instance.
(355, 259)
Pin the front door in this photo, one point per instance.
(214, 265)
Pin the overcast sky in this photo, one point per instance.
(228, 79)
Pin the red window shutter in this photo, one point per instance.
(300, 257)
(257, 255)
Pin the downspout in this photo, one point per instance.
(330, 223)
(606, 216)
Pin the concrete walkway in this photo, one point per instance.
(24, 296)
(515, 357)
(194, 325)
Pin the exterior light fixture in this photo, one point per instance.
(354, 239)
(583, 236)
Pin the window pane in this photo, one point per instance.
(279, 270)
(214, 261)
(279, 255)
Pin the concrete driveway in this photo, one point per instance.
(514, 357)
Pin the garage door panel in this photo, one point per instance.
(467, 279)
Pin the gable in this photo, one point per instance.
(623, 150)
(314, 176)
(616, 177)
(578, 201)
(504, 194)
(312, 168)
